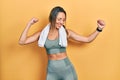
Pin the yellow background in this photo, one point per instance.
(99, 60)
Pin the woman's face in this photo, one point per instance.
(60, 20)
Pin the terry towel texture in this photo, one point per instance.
(44, 34)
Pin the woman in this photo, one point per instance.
(59, 66)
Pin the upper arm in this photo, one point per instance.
(73, 35)
(33, 38)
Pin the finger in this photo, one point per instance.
(100, 25)
(101, 22)
(35, 20)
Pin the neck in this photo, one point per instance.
(53, 29)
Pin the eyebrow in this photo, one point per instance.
(61, 18)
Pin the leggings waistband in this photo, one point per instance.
(59, 65)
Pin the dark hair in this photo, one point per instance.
(53, 14)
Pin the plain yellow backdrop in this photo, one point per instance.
(99, 60)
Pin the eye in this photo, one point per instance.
(59, 19)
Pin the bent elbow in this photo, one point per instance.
(21, 43)
(89, 40)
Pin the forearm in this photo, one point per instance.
(101, 25)
(24, 34)
(93, 36)
(89, 38)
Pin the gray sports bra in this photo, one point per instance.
(52, 46)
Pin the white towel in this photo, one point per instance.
(44, 34)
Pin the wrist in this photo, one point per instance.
(99, 29)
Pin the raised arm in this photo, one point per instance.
(89, 38)
(24, 39)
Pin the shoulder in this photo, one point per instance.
(38, 33)
(69, 31)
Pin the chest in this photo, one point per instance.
(49, 44)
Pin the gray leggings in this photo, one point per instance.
(61, 70)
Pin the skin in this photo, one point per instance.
(53, 34)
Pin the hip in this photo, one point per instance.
(59, 65)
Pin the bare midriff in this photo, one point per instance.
(57, 56)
